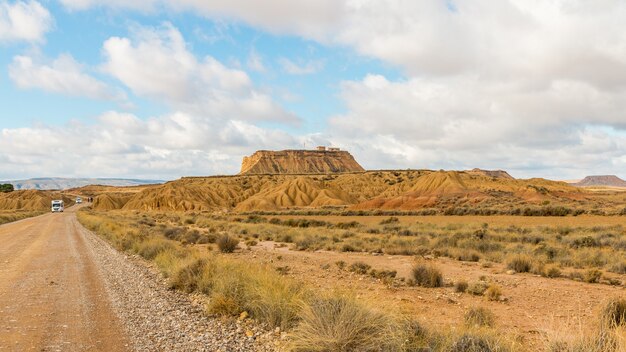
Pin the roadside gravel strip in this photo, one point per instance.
(159, 319)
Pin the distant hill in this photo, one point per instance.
(54, 183)
(324, 161)
(368, 190)
(601, 180)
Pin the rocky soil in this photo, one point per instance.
(159, 319)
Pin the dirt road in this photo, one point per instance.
(52, 295)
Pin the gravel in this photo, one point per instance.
(159, 319)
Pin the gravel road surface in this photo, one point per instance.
(62, 288)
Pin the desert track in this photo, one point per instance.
(52, 294)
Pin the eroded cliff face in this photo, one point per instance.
(299, 162)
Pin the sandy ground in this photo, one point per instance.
(52, 297)
(535, 308)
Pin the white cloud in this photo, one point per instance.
(24, 20)
(174, 75)
(531, 85)
(255, 62)
(305, 68)
(460, 122)
(121, 144)
(76, 5)
(63, 75)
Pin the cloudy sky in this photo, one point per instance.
(163, 89)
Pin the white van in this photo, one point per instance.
(57, 206)
(79, 200)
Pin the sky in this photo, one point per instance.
(161, 89)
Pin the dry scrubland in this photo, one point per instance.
(15, 215)
(232, 262)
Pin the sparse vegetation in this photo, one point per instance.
(341, 323)
(520, 263)
(427, 275)
(479, 317)
(614, 313)
(227, 244)
(493, 292)
(359, 268)
(274, 295)
(461, 286)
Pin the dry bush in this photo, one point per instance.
(592, 276)
(477, 288)
(227, 244)
(152, 247)
(479, 317)
(551, 271)
(427, 275)
(461, 286)
(614, 313)
(493, 292)
(480, 341)
(341, 324)
(521, 263)
(359, 268)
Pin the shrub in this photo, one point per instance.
(619, 268)
(343, 324)
(592, 276)
(227, 244)
(152, 247)
(551, 272)
(417, 337)
(427, 275)
(359, 268)
(383, 274)
(473, 343)
(467, 256)
(493, 292)
(479, 317)
(477, 288)
(461, 286)
(614, 313)
(390, 220)
(340, 264)
(520, 263)
(187, 275)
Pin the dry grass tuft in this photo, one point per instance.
(427, 275)
(521, 263)
(493, 292)
(614, 313)
(479, 317)
(341, 324)
(227, 244)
